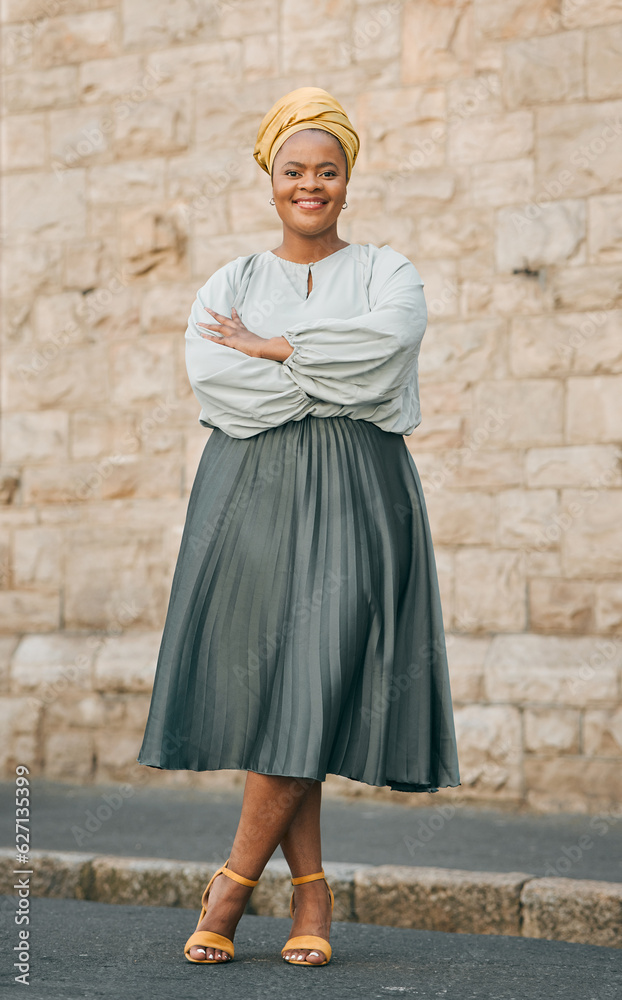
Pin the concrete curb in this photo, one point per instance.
(440, 899)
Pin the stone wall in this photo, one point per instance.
(491, 152)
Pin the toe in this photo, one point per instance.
(316, 957)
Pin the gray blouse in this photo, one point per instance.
(355, 338)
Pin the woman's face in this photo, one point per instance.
(309, 181)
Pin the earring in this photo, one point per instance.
(345, 205)
(271, 202)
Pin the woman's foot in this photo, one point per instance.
(312, 915)
(225, 905)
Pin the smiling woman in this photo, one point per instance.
(304, 633)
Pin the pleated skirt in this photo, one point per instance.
(304, 632)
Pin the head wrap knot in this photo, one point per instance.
(307, 107)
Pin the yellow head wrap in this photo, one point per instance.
(307, 107)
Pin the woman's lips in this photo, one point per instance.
(309, 205)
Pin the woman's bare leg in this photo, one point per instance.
(268, 808)
(302, 848)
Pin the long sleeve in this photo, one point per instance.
(239, 394)
(370, 358)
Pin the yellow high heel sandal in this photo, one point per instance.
(308, 941)
(207, 939)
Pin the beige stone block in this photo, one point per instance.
(23, 142)
(74, 39)
(576, 342)
(490, 588)
(8, 645)
(477, 95)
(438, 431)
(55, 376)
(58, 318)
(243, 18)
(33, 437)
(16, 42)
(553, 234)
(129, 183)
(578, 150)
(141, 371)
(158, 126)
(59, 874)
(80, 137)
(27, 270)
(596, 287)
(40, 89)
(44, 207)
(571, 909)
(507, 19)
(127, 662)
(23, 611)
(454, 233)
(605, 229)
(247, 210)
(551, 730)
(259, 56)
(415, 135)
(37, 557)
(376, 34)
(111, 80)
(437, 41)
(574, 465)
(34, 11)
(609, 606)
(502, 181)
(69, 756)
(461, 518)
(572, 784)
(602, 732)
(555, 670)
(135, 708)
(544, 69)
(462, 350)
(490, 749)
(440, 899)
(88, 264)
(591, 532)
(405, 187)
(594, 410)
(522, 515)
(166, 308)
(116, 752)
(604, 61)
(445, 397)
(580, 15)
(50, 664)
(112, 311)
(558, 605)
(155, 24)
(471, 468)
(185, 68)
(523, 413)
(95, 711)
(146, 881)
(318, 46)
(155, 238)
(483, 138)
(466, 656)
(128, 586)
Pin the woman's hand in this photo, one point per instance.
(237, 336)
(234, 334)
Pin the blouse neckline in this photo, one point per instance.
(311, 263)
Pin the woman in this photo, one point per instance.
(304, 633)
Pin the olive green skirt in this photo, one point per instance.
(304, 632)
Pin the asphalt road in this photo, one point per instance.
(194, 825)
(87, 951)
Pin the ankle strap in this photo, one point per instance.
(237, 878)
(308, 878)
